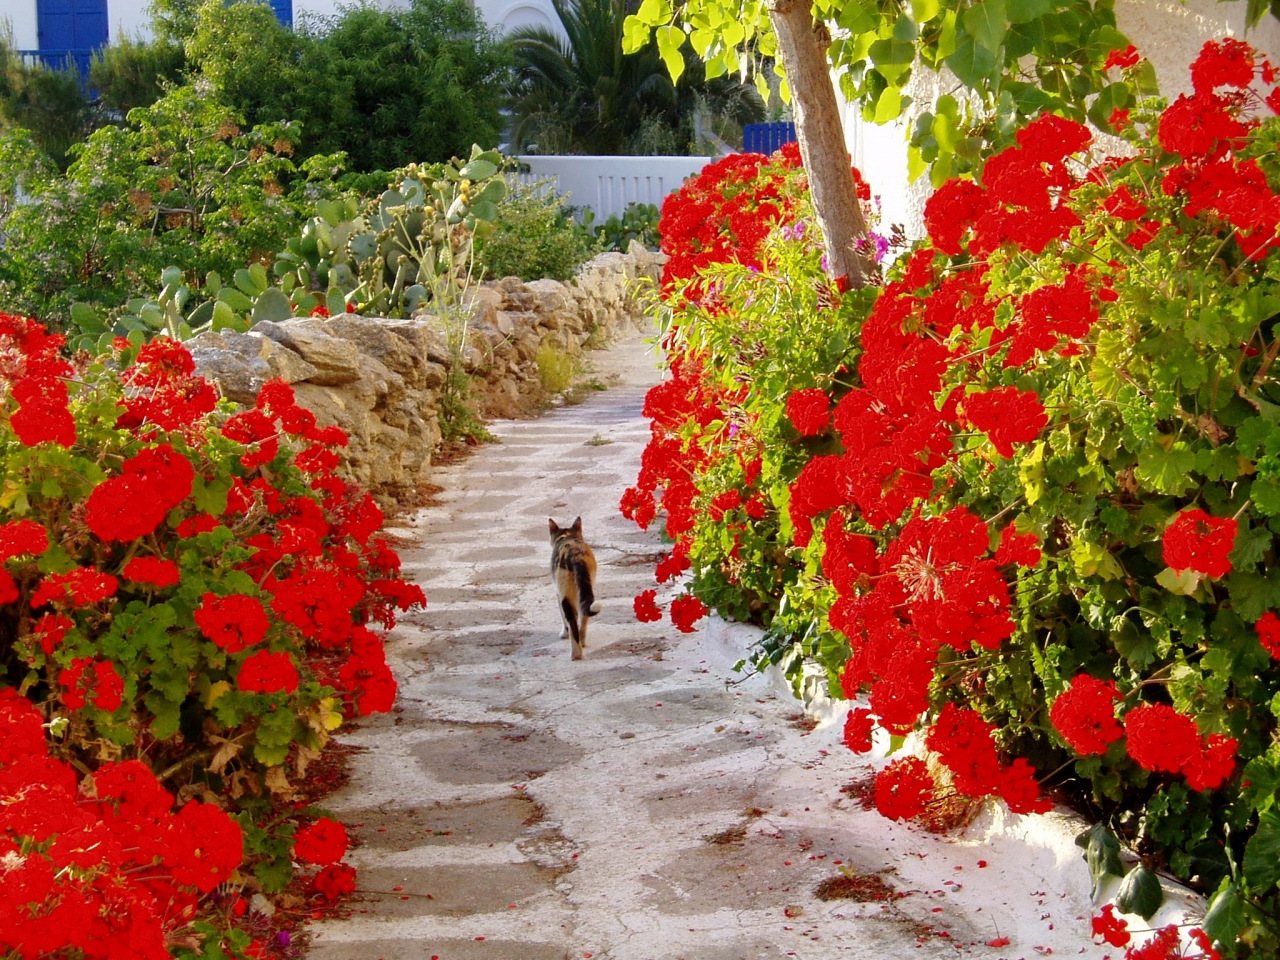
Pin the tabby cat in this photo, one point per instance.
(573, 568)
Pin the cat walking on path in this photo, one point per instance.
(573, 569)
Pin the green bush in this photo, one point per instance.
(388, 87)
(51, 104)
(534, 237)
(181, 183)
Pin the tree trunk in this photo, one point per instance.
(802, 47)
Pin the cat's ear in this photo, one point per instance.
(577, 525)
(555, 527)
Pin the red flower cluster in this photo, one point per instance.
(36, 374)
(1162, 740)
(91, 867)
(91, 681)
(1085, 715)
(264, 672)
(1112, 929)
(133, 504)
(963, 741)
(646, 609)
(686, 610)
(721, 215)
(810, 411)
(162, 390)
(335, 881)
(233, 622)
(81, 587)
(156, 571)
(1020, 548)
(1269, 634)
(371, 685)
(903, 788)
(1007, 416)
(1199, 542)
(322, 843)
(1022, 199)
(857, 730)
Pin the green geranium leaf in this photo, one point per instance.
(1140, 893)
(1262, 855)
(1102, 854)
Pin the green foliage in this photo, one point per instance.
(555, 368)
(50, 104)
(132, 73)
(586, 95)
(639, 222)
(181, 183)
(426, 83)
(1015, 59)
(534, 236)
(410, 245)
(388, 87)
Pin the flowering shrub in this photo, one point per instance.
(1036, 513)
(97, 863)
(182, 590)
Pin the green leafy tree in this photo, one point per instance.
(425, 83)
(266, 72)
(1014, 59)
(580, 93)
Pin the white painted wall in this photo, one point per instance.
(21, 18)
(608, 184)
(507, 15)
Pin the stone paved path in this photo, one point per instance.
(517, 805)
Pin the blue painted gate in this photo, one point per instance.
(767, 137)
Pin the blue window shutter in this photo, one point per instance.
(283, 9)
(71, 28)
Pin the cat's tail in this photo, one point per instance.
(587, 601)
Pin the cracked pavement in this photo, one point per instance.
(645, 803)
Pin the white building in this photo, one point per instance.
(54, 27)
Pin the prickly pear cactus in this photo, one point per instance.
(410, 245)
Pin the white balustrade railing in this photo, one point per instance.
(607, 184)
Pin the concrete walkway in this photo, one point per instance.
(517, 805)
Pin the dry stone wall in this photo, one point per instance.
(381, 380)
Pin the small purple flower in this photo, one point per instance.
(800, 228)
(733, 429)
(825, 264)
(882, 245)
(283, 938)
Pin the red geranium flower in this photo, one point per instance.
(857, 730)
(1199, 542)
(157, 571)
(685, 611)
(322, 842)
(646, 609)
(264, 672)
(810, 411)
(1160, 738)
(1020, 548)
(335, 880)
(1085, 715)
(22, 536)
(1128, 57)
(1269, 634)
(233, 622)
(903, 788)
(1114, 930)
